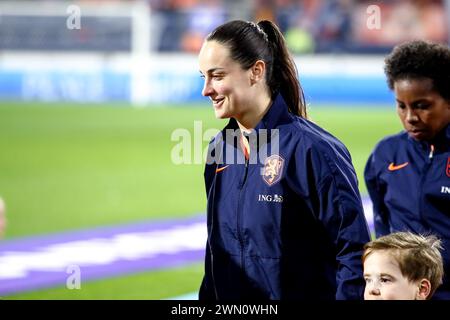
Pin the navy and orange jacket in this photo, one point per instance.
(409, 184)
(286, 223)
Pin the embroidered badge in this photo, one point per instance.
(273, 169)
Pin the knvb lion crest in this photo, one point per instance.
(447, 169)
(273, 169)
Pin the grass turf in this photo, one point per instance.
(74, 167)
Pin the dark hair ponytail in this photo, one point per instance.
(284, 76)
(249, 42)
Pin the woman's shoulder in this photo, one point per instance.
(321, 152)
(315, 137)
(391, 143)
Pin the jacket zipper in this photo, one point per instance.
(430, 156)
(239, 215)
(427, 166)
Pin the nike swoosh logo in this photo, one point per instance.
(221, 168)
(393, 167)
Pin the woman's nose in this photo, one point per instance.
(207, 89)
(411, 116)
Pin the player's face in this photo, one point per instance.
(226, 83)
(384, 280)
(422, 110)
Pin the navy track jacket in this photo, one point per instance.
(409, 184)
(287, 223)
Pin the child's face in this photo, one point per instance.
(384, 280)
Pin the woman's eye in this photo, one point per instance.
(368, 280)
(423, 105)
(401, 106)
(384, 280)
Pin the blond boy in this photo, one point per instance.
(402, 266)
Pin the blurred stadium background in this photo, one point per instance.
(91, 93)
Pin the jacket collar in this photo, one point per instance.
(276, 115)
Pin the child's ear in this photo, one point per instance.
(424, 289)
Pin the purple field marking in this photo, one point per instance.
(368, 212)
(43, 279)
(32, 242)
(40, 280)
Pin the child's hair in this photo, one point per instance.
(418, 256)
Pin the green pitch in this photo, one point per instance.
(65, 167)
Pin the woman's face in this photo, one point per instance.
(422, 110)
(226, 83)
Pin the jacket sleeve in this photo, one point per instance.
(325, 177)
(206, 292)
(341, 212)
(376, 192)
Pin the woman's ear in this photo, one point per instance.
(258, 71)
(424, 289)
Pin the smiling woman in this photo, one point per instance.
(243, 76)
(407, 173)
(275, 217)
